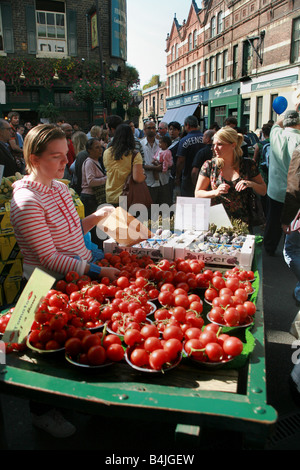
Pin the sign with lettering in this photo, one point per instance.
(22, 318)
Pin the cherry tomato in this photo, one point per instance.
(73, 346)
(158, 358)
(214, 352)
(233, 346)
(96, 355)
(151, 343)
(133, 336)
(139, 357)
(115, 352)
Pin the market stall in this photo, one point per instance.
(189, 389)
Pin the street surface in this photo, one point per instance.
(97, 433)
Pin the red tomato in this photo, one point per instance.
(214, 352)
(96, 355)
(173, 331)
(111, 339)
(149, 330)
(132, 337)
(166, 298)
(139, 357)
(73, 347)
(90, 340)
(195, 348)
(158, 358)
(250, 307)
(151, 343)
(231, 316)
(233, 346)
(72, 276)
(115, 352)
(173, 347)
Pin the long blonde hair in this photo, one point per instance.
(228, 135)
(79, 140)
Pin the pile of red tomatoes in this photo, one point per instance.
(72, 313)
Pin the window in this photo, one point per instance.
(176, 51)
(206, 72)
(189, 78)
(259, 109)
(225, 65)
(247, 58)
(190, 42)
(51, 28)
(194, 77)
(273, 114)
(295, 46)
(199, 75)
(1, 32)
(245, 118)
(176, 84)
(213, 27)
(212, 70)
(161, 105)
(195, 39)
(25, 97)
(220, 115)
(235, 61)
(219, 68)
(220, 22)
(172, 53)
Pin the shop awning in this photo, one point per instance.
(179, 114)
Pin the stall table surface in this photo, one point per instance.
(189, 396)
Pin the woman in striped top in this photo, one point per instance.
(47, 227)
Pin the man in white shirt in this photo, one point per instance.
(160, 194)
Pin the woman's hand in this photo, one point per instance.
(104, 211)
(111, 273)
(243, 184)
(223, 188)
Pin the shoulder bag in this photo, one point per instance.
(99, 191)
(136, 193)
(255, 209)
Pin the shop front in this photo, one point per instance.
(223, 102)
(258, 95)
(180, 107)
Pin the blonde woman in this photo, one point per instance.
(229, 177)
(79, 140)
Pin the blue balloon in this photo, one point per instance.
(280, 104)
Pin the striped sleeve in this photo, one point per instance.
(35, 238)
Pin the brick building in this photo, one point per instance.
(154, 102)
(64, 41)
(233, 57)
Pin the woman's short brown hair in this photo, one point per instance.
(37, 139)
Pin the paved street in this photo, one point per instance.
(95, 432)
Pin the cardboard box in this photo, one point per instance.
(5, 224)
(151, 248)
(79, 207)
(9, 248)
(124, 228)
(11, 273)
(9, 292)
(11, 270)
(242, 256)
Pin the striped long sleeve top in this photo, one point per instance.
(47, 228)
